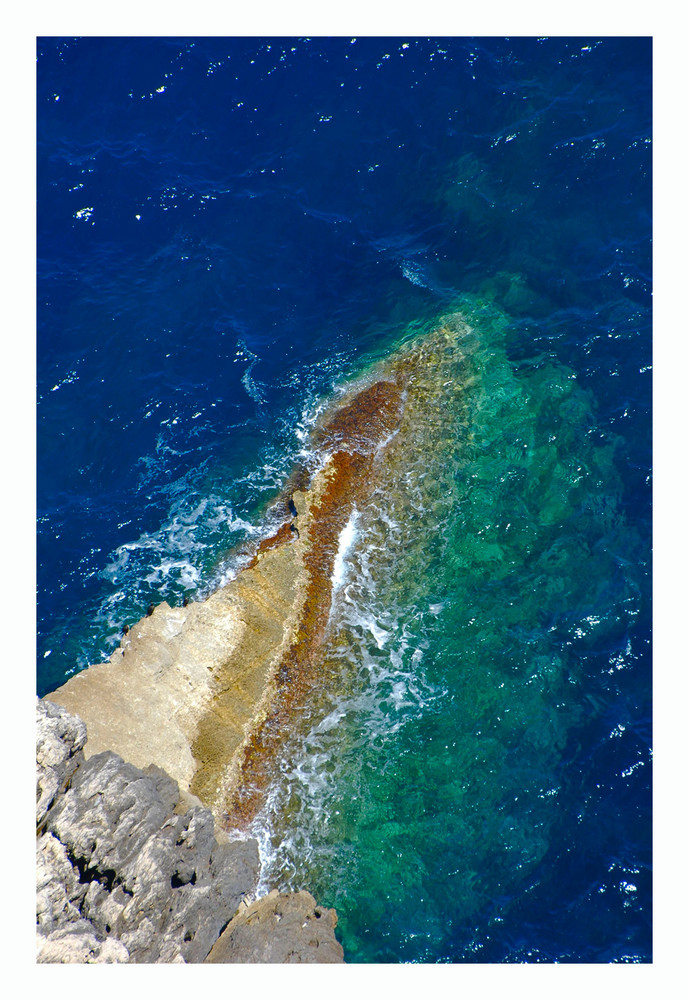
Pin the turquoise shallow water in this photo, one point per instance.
(227, 229)
(424, 793)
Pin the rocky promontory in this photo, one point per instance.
(187, 719)
(207, 690)
(128, 872)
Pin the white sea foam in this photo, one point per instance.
(379, 645)
(252, 387)
(414, 273)
(345, 542)
(317, 764)
(187, 574)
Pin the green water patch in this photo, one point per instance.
(420, 794)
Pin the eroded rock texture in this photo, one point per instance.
(125, 872)
(280, 929)
(60, 739)
(122, 875)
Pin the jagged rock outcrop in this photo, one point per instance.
(227, 672)
(60, 739)
(224, 672)
(122, 874)
(280, 929)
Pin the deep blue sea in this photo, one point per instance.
(229, 228)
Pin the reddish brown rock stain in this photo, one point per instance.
(364, 422)
(351, 436)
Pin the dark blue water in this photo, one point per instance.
(227, 227)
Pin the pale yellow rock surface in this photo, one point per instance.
(187, 684)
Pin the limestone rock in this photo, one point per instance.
(60, 739)
(59, 893)
(280, 928)
(77, 943)
(205, 669)
(122, 875)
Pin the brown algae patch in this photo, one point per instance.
(358, 429)
(373, 438)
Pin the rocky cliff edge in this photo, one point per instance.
(127, 872)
